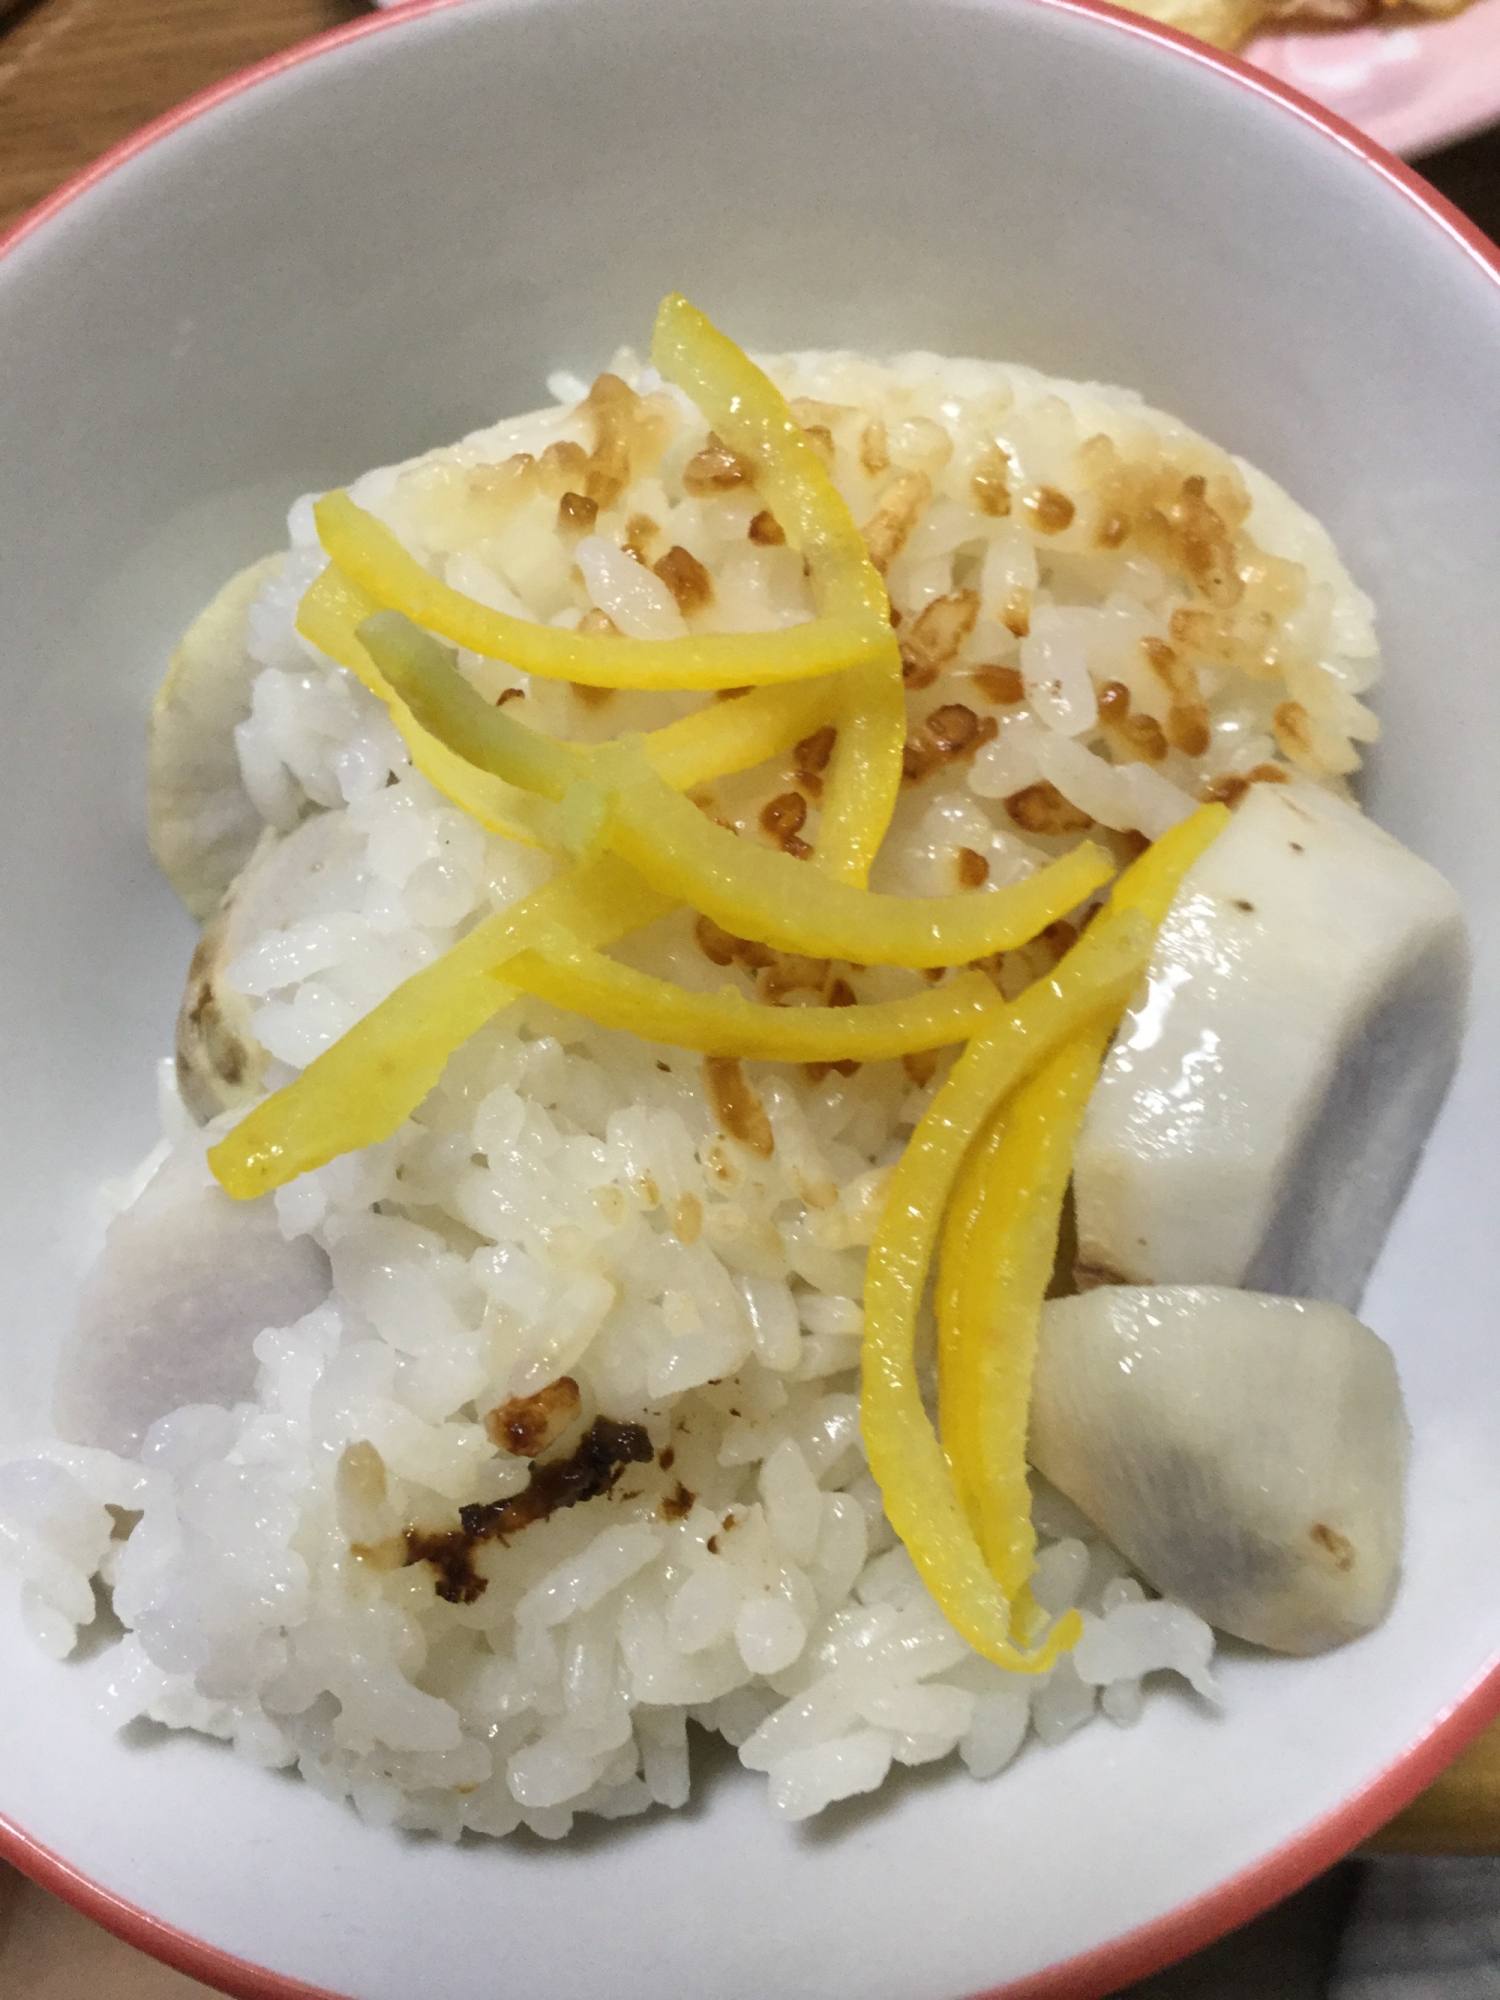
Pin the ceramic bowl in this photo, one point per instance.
(377, 243)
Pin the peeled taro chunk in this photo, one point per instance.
(1247, 1454)
(1265, 1101)
(169, 1314)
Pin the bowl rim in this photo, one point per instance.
(1189, 1926)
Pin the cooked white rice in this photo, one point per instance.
(1118, 617)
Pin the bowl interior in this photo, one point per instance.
(379, 248)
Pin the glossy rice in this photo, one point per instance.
(641, 1271)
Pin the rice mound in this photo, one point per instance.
(1103, 619)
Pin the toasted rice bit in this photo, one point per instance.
(810, 759)
(1131, 736)
(1142, 737)
(1225, 790)
(1179, 678)
(1051, 512)
(576, 515)
(955, 728)
(1187, 720)
(990, 483)
(1230, 787)
(789, 972)
(563, 467)
(504, 484)
(815, 1073)
(716, 469)
(889, 528)
(782, 819)
(972, 869)
(631, 432)
(1187, 728)
(949, 733)
(526, 1425)
(1177, 675)
(687, 1219)
(933, 641)
(1204, 542)
(1210, 634)
(716, 945)
(640, 533)
(591, 697)
(608, 473)
(676, 1505)
(595, 620)
(686, 578)
(737, 1105)
(874, 448)
(1015, 613)
(820, 437)
(720, 948)
(766, 531)
(1001, 685)
(1292, 727)
(1041, 808)
(1014, 971)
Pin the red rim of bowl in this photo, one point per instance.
(1191, 1925)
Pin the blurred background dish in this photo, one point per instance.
(1413, 85)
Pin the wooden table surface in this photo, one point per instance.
(75, 76)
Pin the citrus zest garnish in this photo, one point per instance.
(737, 735)
(571, 975)
(711, 743)
(761, 893)
(372, 557)
(1080, 1000)
(864, 773)
(362, 1088)
(750, 415)
(329, 615)
(957, 1414)
(997, 1302)
(750, 891)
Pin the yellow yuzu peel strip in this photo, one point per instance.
(1007, 1269)
(1085, 993)
(751, 416)
(371, 1080)
(371, 556)
(329, 615)
(727, 1024)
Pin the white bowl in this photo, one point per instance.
(353, 254)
